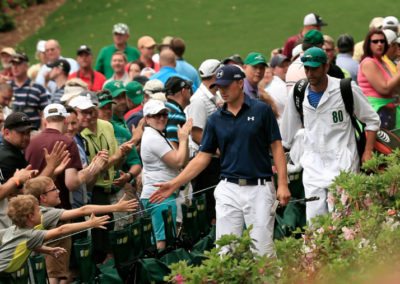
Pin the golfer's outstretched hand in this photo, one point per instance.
(163, 192)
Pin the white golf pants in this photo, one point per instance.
(237, 206)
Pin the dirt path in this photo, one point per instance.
(28, 22)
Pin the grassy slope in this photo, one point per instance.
(211, 28)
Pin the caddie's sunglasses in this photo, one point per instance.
(313, 59)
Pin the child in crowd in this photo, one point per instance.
(17, 241)
(47, 194)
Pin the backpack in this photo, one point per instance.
(348, 100)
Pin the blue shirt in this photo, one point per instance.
(185, 69)
(314, 97)
(244, 140)
(167, 72)
(250, 90)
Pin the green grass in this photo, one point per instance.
(211, 28)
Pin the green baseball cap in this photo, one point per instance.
(115, 87)
(314, 57)
(134, 91)
(105, 98)
(314, 37)
(254, 58)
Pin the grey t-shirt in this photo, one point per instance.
(5, 221)
(50, 217)
(16, 246)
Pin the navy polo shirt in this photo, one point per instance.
(243, 140)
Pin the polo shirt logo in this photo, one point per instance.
(250, 118)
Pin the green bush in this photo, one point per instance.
(358, 241)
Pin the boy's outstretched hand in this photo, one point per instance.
(126, 205)
(98, 222)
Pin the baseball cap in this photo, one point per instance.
(19, 57)
(153, 107)
(120, 28)
(91, 96)
(8, 50)
(40, 46)
(18, 121)
(84, 49)
(134, 91)
(313, 37)
(314, 57)
(54, 110)
(390, 22)
(345, 43)
(209, 68)
(73, 87)
(233, 58)
(255, 58)
(105, 98)
(146, 41)
(376, 23)
(391, 36)
(277, 60)
(297, 50)
(81, 102)
(313, 20)
(166, 41)
(61, 63)
(115, 87)
(153, 86)
(174, 84)
(227, 74)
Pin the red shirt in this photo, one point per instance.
(290, 44)
(34, 155)
(95, 81)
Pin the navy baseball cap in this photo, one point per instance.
(227, 74)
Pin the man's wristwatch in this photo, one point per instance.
(130, 176)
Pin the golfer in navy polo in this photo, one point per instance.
(244, 130)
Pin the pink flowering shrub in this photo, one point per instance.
(358, 240)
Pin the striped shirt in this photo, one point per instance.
(30, 98)
(176, 117)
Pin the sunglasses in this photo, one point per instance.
(309, 58)
(159, 115)
(53, 189)
(375, 41)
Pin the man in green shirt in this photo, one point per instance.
(118, 93)
(120, 37)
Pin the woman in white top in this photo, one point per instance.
(161, 162)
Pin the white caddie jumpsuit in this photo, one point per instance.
(329, 139)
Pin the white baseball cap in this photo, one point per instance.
(153, 86)
(209, 67)
(81, 102)
(153, 107)
(55, 110)
(376, 23)
(313, 20)
(390, 36)
(390, 22)
(40, 46)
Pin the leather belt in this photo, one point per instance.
(244, 182)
